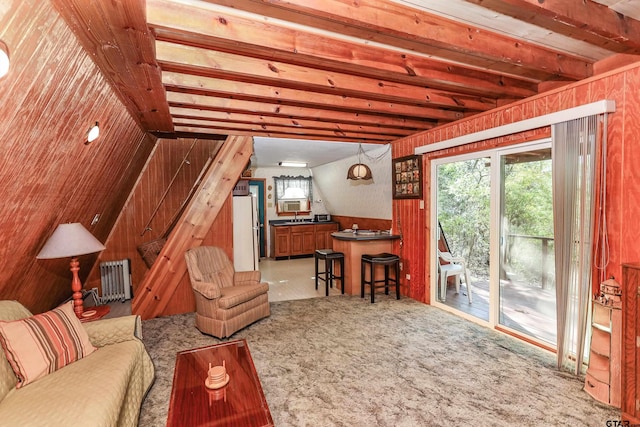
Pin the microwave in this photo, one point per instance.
(322, 218)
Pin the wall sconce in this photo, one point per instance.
(4, 59)
(359, 171)
(93, 133)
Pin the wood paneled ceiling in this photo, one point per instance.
(347, 70)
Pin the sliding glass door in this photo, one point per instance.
(463, 206)
(493, 211)
(527, 302)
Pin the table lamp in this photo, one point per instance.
(71, 240)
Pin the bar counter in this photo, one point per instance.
(354, 245)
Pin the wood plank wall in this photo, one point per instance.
(164, 185)
(48, 176)
(193, 228)
(623, 175)
(363, 223)
(220, 234)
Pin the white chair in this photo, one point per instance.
(455, 267)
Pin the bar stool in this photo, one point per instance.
(387, 260)
(329, 256)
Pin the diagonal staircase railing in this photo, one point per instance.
(164, 277)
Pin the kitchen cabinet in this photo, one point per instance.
(630, 343)
(323, 235)
(302, 239)
(280, 241)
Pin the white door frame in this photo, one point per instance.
(494, 230)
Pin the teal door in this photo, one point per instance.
(257, 187)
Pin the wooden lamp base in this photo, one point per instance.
(76, 287)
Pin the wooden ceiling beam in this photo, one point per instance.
(583, 20)
(116, 37)
(219, 28)
(623, 7)
(176, 135)
(613, 62)
(393, 24)
(177, 99)
(297, 130)
(218, 116)
(194, 60)
(237, 132)
(209, 86)
(252, 127)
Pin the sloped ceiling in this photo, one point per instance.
(338, 70)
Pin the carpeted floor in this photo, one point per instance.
(341, 361)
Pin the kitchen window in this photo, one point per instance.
(293, 194)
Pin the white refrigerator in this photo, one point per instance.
(246, 228)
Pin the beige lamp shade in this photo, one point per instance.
(70, 240)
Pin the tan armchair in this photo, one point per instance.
(226, 300)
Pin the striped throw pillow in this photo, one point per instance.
(41, 344)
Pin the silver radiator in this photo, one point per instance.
(115, 278)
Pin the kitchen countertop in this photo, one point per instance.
(364, 235)
(354, 245)
(287, 223)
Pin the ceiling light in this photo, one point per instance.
(4, 59)
(93, 133)
(359, 171)
(293, 164)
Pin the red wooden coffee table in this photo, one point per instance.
(240, 403)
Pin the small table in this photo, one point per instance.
(94, 313)
(239, 403)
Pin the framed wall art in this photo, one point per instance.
(407, 177)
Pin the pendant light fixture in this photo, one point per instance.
(359, 171)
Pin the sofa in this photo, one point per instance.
(226, 300)
(104, 388)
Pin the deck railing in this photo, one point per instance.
(545, 247)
